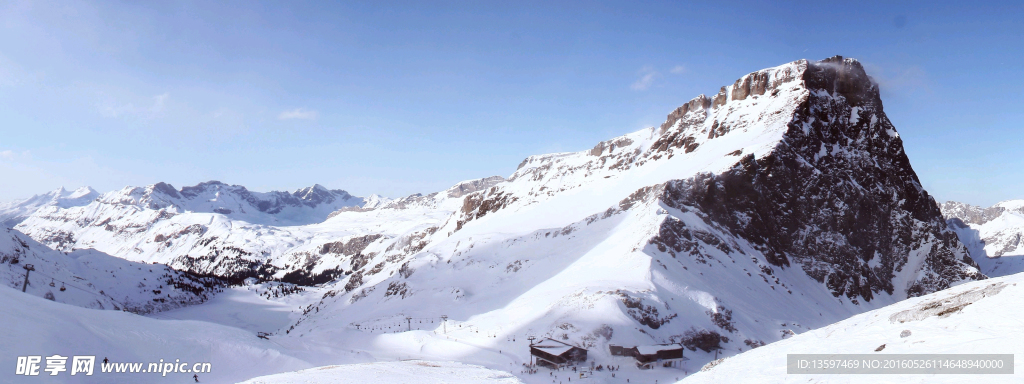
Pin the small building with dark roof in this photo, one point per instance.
(554, 354)
(647, 356)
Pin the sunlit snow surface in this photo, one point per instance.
(239, 307)
(986, 325)
(398, 372)
(35, 326)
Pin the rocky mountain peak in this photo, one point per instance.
(788, 150)
(211, 186)
(318, 194)
(845, 77)
(165, 189)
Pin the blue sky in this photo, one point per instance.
(413, 97)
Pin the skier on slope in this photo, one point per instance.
(196, 377)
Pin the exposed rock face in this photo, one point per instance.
(971, 214)
(467, 187)
(351, 247)
(838, 194)
(699, 103)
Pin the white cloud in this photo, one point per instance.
(298, 113)
(10, 155)
(115, 111)
(647, 76)
(679, 69)
(158, 102)
(111, 108)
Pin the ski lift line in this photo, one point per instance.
(83, 289)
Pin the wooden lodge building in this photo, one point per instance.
(647, 356)
(555, 354)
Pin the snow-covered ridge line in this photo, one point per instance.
(13, 213)
(303, 206)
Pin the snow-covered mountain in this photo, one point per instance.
(91, 279)
(14, 212)
(973, 318)
(781, 204)
(993, 235)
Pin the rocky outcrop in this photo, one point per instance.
(467, 187)
(970, 214)
(837, 195)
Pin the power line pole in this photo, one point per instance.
(28, 268)
(408, 321)
(444, 319)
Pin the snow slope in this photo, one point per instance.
(398, 372)
(44, 328)
(994, 235)
(92, 279)
(988, 313)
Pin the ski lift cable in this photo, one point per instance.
(83, 289)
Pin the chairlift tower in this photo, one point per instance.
(28, 268)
